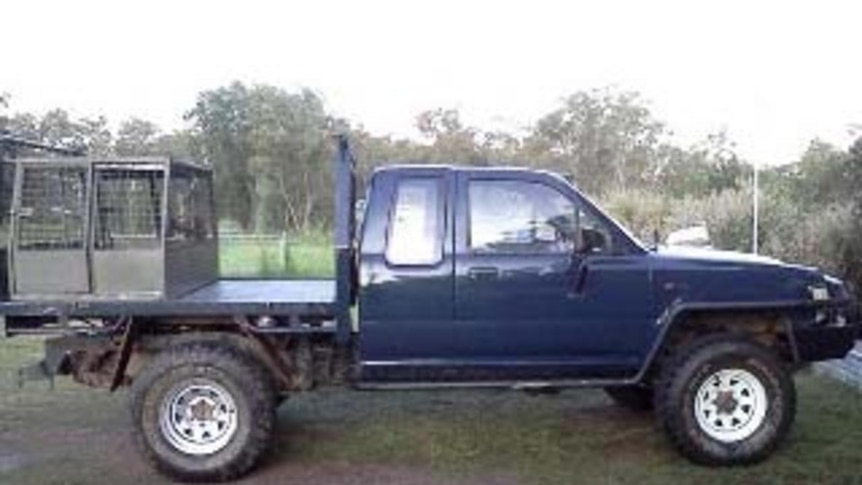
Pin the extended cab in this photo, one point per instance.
(475, 277)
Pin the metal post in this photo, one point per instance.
(754, 230)
(344, 171)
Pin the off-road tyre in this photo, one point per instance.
(685, 373)
(633, 398)
(185, 366)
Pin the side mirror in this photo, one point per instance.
(589, 241)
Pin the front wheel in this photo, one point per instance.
(203, 412)
(725, 400)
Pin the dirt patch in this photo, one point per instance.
(14, 461)
(363, 474)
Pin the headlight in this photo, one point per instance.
(819, 293)
(837, 288)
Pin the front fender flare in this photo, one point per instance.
(674, 313)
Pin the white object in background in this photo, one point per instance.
(696, 236)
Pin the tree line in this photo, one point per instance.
(271, 151)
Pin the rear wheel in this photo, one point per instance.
(203, 412)
(725, 400)
(635, 398)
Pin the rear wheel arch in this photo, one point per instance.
(149, 346)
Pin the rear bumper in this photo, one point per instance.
(833, 338)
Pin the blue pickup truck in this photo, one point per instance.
(448, 277)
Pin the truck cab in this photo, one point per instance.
(496, 274)
(509, 276)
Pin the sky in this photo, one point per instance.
(773, 74)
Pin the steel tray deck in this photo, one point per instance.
(313, 297)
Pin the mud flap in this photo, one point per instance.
(58, 358)
(36, 372)
(56, 361)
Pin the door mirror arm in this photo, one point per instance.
(580, 271)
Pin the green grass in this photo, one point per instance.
(297, 256)
(335, 436)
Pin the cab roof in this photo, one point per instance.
(526, 172)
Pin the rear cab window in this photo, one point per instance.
(415, 231)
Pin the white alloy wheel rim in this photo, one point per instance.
(731, 405)
(198, 417)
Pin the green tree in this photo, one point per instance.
(4, 105)
(57, 128)
(222, 122)
(292, 153)
(137, 137)
(851, 259)
(270, 150)
(95, 136)
(607, 139)
(451, 141)
(815, 180)
(707, 167)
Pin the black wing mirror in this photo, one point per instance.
(589, 241)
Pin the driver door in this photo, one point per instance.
(533, 305)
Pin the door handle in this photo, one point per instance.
(483, 273)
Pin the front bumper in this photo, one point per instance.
(832, 336)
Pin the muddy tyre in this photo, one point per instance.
(633, 398)
(203, 412)
(725, 400)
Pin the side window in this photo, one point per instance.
(416, 223)
(508, 216)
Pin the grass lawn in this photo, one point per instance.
(77, 435)
(306, 256)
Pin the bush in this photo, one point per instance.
(642, 212)
(820, 236)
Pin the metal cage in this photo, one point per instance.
(133, 228)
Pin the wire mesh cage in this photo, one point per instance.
(7, 180)
(53, 208)
(125, 228)
(129, 209)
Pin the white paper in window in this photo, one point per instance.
(414, 236)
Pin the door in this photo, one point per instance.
(544, 289)
(50, 215)
(128, 252)
(406, 302)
